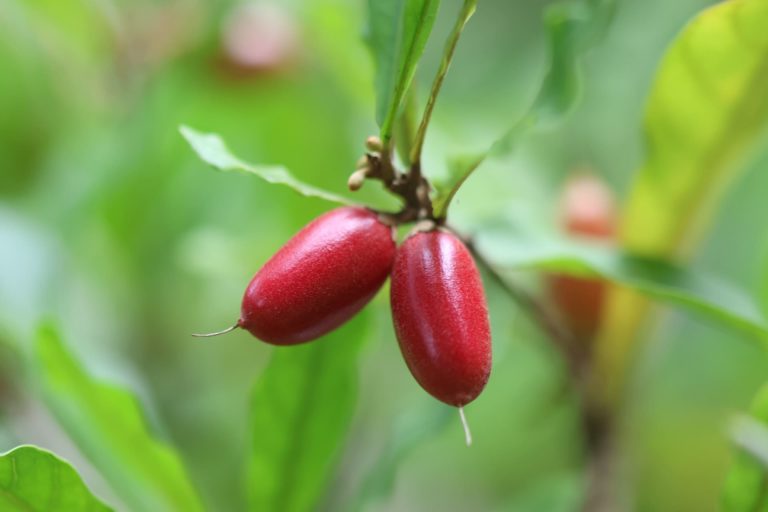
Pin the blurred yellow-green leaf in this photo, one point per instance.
(706, 110)
(707, 107)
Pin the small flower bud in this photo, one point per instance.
(373, 143)
(356, 179)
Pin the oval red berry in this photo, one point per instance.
(441, 316)
(318, 280)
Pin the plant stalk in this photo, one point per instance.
(467, 10)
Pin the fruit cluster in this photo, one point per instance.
(335, 265)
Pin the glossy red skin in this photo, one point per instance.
(588, 212)
(319, 279)
(441, 316)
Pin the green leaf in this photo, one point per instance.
(459, 169)
(707, 106)
(746, 483)
(573, 28)
(397, 33)
(301, 408)
(409, 433)
(655, 278)
(212, 150)
(108, 426)
(36, 480)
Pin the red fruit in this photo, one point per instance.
(580, 302)
(588, 208)
(259, 37)
(441, 317)
(320, 278)
(587, 212)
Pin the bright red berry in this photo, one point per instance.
(441, 316)
(318, 280)
(587, 212)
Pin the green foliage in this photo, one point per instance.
(746, 484)
(36, 480)
(398, 30)
(300, 412)
(657, 279)
(143, 245)
(108, 426)
(459, 169)
(707, 107)
(409, 433)
(573, 28)
(212, 150)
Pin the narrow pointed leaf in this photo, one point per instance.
(107, 424)
(397, 33)
(36, 480)
(654, 278)
(212, 150)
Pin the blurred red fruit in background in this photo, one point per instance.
(587, 212)
(257, 38)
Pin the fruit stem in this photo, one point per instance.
(218, 333)
(467, 433)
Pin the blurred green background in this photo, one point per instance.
(110, 225)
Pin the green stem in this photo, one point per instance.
(450, 47)
(406, 124)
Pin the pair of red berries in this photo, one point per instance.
(335, 265)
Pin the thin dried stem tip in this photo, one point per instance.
(467, 433)
(211, 334)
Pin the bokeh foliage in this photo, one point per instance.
(110, 225)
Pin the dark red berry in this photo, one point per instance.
(587, 212)
(441, 316)
(320, 278)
